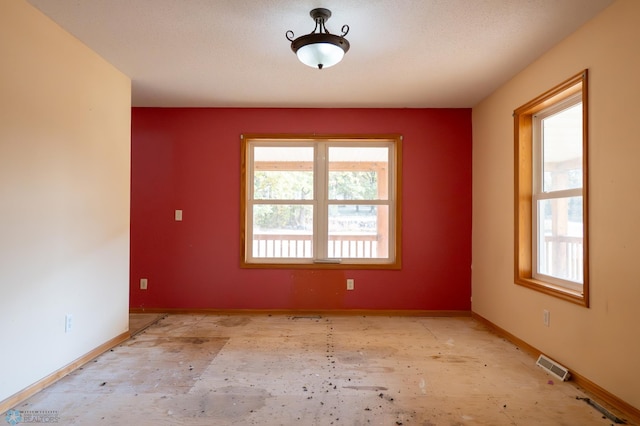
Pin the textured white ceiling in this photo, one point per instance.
(404, 53)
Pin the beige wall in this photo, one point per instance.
(602, 342)
(64, 198)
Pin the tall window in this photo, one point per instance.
(325, 202)
(551, 197)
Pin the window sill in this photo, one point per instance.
(319, 266)
(554, 290)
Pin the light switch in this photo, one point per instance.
(178, 215)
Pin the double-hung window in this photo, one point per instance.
(551, 196)
(321, 202)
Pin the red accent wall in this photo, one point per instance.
(189, 159)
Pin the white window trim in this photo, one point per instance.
(251, 201)
(538, 191)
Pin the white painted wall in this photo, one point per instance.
(64, 197)
(602, 342)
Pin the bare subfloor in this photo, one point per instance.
(329, 370)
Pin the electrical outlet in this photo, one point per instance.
(545, 317)
(143, 283)
(68, 323)
(350, 283)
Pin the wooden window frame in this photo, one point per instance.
(395, 193)
(523, 166)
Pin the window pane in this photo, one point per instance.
(562, 149)
(282, 230)
(285, 185)
(358, 231)
(283, 173)
(358, 173)
(560, 238)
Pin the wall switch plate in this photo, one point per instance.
(178, 215)
(143, 283)
(545, 317)
(68, 323)
(350, 283)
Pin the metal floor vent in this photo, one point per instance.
(553, 367)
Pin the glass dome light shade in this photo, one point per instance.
(320, 50)
(320, 55)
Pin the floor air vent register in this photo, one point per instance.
(553, 367)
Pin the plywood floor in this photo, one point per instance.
(140, 322)
(329, 370)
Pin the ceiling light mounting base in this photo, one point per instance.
(320, 13)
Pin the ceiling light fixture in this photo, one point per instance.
(320, 49)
